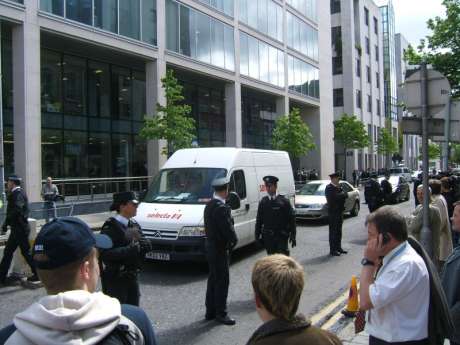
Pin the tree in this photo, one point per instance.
(434, 151)
(442, 48)
(291, 134)
(386, 143)
(172, 121)
(351, 134)
(455, 153)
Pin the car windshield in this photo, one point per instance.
(183, 185)
(313, 189)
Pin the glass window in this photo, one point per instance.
(335, 6)
(253, 57)
(98, 89)
(244, 10)
(80, 11)
(99, 162)
(291, 73)
(121, 155)
(52, 6)
(273, 65)
(74, 81)
(75, 154)
(366, 16)
(303, 77)
(244, 54)
(302, 37)
(203, 37)
(229, 47)
(139, 96)
(252, 14)
(217, 44)
(121, 92)
(338, 97)
(376, 26)
(358, 99)
(337, 66)
(129, 18)
(52, 147)
(280, 68)
(272, 15)
(149, 21)
(263, 62)
(187, 31)
(358, 68)
(279, 23)
(238, 184)
(262, 11)
(51, 78)
(105, 15)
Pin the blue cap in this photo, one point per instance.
(66, 240)
(270, 179)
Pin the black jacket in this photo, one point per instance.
(125, 255)
(335, 197)
(218, 224)
(387, 189)
(373, 192)
(277, 216)
(17, 210)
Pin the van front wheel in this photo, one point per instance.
(355, 210)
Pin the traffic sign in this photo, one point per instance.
(438, 93)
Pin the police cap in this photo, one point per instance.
(334, 174)
(220, 182)
(14, 178)
(271, 179)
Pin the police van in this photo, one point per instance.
(171, 211)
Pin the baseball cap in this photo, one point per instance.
(66, 240)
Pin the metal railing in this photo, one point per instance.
(98, 188)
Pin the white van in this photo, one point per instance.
(171, 213)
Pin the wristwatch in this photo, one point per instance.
(367, 262)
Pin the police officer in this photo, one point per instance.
(220, 239)
(373, 192)
(275, 224)
(335, 197)
(17, 213)
(387, 189)
(121, 263)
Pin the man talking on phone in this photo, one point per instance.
(395, 286)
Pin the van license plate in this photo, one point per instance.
(158, 256)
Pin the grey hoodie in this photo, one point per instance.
(72, 318)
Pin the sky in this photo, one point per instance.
(412, 15)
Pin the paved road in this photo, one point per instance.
(173, 294)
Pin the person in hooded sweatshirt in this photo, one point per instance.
(66, 256)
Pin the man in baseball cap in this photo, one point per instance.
(65, 254)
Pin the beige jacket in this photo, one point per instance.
(445, 242)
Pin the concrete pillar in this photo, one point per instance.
(26, 102)
(233, 124)
(282, 106)
(155, 70)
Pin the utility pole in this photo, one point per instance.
(445, 146)
(426, 235)
(2, 157)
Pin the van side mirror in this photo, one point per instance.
(233, 200)
(142, 194)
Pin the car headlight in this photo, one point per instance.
(192, 231)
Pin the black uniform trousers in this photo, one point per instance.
(124, 288)
(276, 244)
(19, 237)
(373, 205)
(335, 231)
(218, 281)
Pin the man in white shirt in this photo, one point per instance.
(395, 290)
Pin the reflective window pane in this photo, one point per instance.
(262, 13)
(121, 92)
(229, 48)
(244, 55)
(149, 21)
(51, 79)
(105, 14)
(303, 78)
(263, 62)
(80, 10)
(203, 37)
(253, 57)
(98, 89)
(52, 6)
(172, 26)
(129, 18)
(217, 44)
(52, 147)
(75, 154)
(74, 82)
(139, 96)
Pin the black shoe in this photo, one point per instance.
(334, 253)
(33, 279)
(209, 317)
(341, 251)
(11, 281)
(225, 320)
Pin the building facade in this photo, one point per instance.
(357, 65)
(389, 62)
(411, 143)
(80, 75)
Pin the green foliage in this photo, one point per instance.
(350, 132)
(291, 134)
(386, 143)
(434, 152)
(172, 122)
(442, 48)
(455, 153)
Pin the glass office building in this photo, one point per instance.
(94, 69)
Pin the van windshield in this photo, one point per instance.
(183, 185)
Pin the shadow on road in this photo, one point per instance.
(316, 260)
(186, 334)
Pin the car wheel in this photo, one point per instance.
(355, 210)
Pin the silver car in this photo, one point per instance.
(310, 200)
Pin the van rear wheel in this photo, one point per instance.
(355, 210)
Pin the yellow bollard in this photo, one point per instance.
(353, 304)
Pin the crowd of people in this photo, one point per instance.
(409, 294)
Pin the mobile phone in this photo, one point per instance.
(385, 237)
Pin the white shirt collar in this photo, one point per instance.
(218, 198)
(272, 197)
(121, 219)
(391, 253)
(17, 187)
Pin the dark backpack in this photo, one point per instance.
(121, 335)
